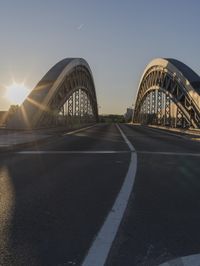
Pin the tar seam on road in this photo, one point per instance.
(98, 252)
(78, 130)
(70, 152)
(170, 153)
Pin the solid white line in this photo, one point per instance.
(70, 152)
(195, 139)
(101, 245)
(192, 260)
(78, 130)
(125, 139)
(170, 153)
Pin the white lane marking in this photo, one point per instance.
(170, 153)
(70, 152)
(187, 136)
(78, 130)
(192, 260)
(193, 131)
(195, 139)
(126, 139)
(102, 243)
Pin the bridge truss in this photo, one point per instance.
(168, 95)
(64, 97)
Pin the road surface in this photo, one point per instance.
(55, 197)
(163, 217)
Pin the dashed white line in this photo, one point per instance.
(101, 245)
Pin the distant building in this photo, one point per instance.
(111, 118)
(3, 117)
(6, 115)
(129, 114)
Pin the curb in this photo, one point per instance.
(182, 132)
(193, 132)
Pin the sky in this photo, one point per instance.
(118, 38)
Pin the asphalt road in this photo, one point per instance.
(53, 202)
(163, 217)
(53, 205)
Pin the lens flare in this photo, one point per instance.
(16, 93)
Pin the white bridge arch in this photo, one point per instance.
(168, 84)
(65, 95)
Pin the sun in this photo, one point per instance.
(16, 93)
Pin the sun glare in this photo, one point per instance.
(16, 93)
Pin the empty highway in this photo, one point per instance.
(55, 197)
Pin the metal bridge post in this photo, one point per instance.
(86, 107)
(179, 118)
(144, 112)
(70, 111)
(148, 108)
(167, 110)
(77, 103)
(82, 102)
(139, 116)
(153, 106)
(70, 106)
(159, 107)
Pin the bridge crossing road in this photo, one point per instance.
(55, 197)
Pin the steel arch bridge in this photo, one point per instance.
(65, 96)
(168, 95)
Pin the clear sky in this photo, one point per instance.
(116, 37)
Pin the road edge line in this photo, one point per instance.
(101, 246)
(164, 131)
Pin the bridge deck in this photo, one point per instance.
(56, 196)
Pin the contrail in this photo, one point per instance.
(80, 27)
